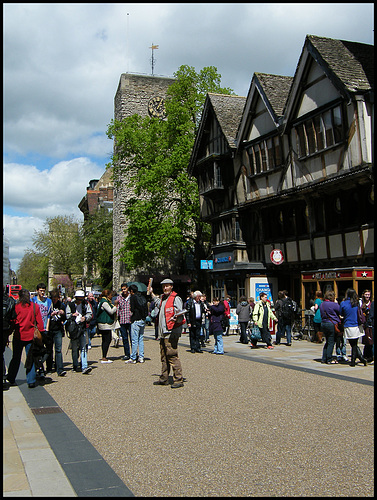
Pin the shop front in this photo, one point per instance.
(358, 278)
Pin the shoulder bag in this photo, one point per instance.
(37, 334)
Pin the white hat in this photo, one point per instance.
(80, 293)
(167, 281)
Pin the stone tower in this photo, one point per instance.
(142, 95)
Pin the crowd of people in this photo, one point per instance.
(124, 316)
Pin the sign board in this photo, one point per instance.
(206, 264)
(263, 287)
(276, 256)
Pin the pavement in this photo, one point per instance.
(241, 421)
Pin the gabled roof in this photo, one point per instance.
(273, 90)
(228, 111)
(352, 62)
(348, 65)
(276, 89)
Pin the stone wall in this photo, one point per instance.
(132, 97)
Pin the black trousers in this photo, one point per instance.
(195, 330)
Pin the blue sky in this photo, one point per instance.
(61, 69)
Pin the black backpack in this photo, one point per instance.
(288, 309)
(71, 327)
(142, 305)
(9, 311)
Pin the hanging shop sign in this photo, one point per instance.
(276, 256)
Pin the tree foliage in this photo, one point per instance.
(62, 242)
(33, 269)
(163, 212)
(98, 231)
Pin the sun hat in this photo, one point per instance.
(80, 293)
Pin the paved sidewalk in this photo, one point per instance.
(46, 454)
(30, 467)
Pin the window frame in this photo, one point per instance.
(320, 131)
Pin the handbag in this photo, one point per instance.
(339, 328)
(38, 339)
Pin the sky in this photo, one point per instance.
(62, 64)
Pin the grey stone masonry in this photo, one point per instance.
(132, 97)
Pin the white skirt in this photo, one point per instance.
(353, 332)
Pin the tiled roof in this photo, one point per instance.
(228, 109)
(276, 89)
(351, 62)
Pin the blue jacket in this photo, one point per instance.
(349, 313)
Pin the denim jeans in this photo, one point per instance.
(125, 332)
(137, 338)
(287, 329)
(80, 344)
(205, 329)
(341, 347)
(279, 331)
(219, 346)
(57, 342)
(91, 332)
(14, 365)
(328, 330)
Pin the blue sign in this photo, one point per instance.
(206, 264)
(263, 287)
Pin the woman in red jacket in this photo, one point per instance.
(23, 335)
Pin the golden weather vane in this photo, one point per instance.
(153, 47)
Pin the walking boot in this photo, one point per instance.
(361, 357)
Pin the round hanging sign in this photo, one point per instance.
(276, 256)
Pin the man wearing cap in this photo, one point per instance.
(169, 331)
(80, 309)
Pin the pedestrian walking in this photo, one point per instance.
(330, 311)
(92, 327)
(195, 317)
(56, 334)
(352, 330)
(318, 334)
(139, 311)
(80, 310)
(124, 318)
(216, 315)
(27, 315)
(45, 306)
(262, 314)
(169, 330)
(243, 312)
(9, 315)
(106, 318)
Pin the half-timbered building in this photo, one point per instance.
(297, 211)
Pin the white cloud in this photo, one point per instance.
(37, 194)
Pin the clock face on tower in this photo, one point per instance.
(156, 107)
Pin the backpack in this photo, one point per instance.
(288, 309)
(9, 311)
(71, 327)
(142, 304)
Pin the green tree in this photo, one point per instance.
(98, 231)
(163, 214)
(62, 241)
(33, 269)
